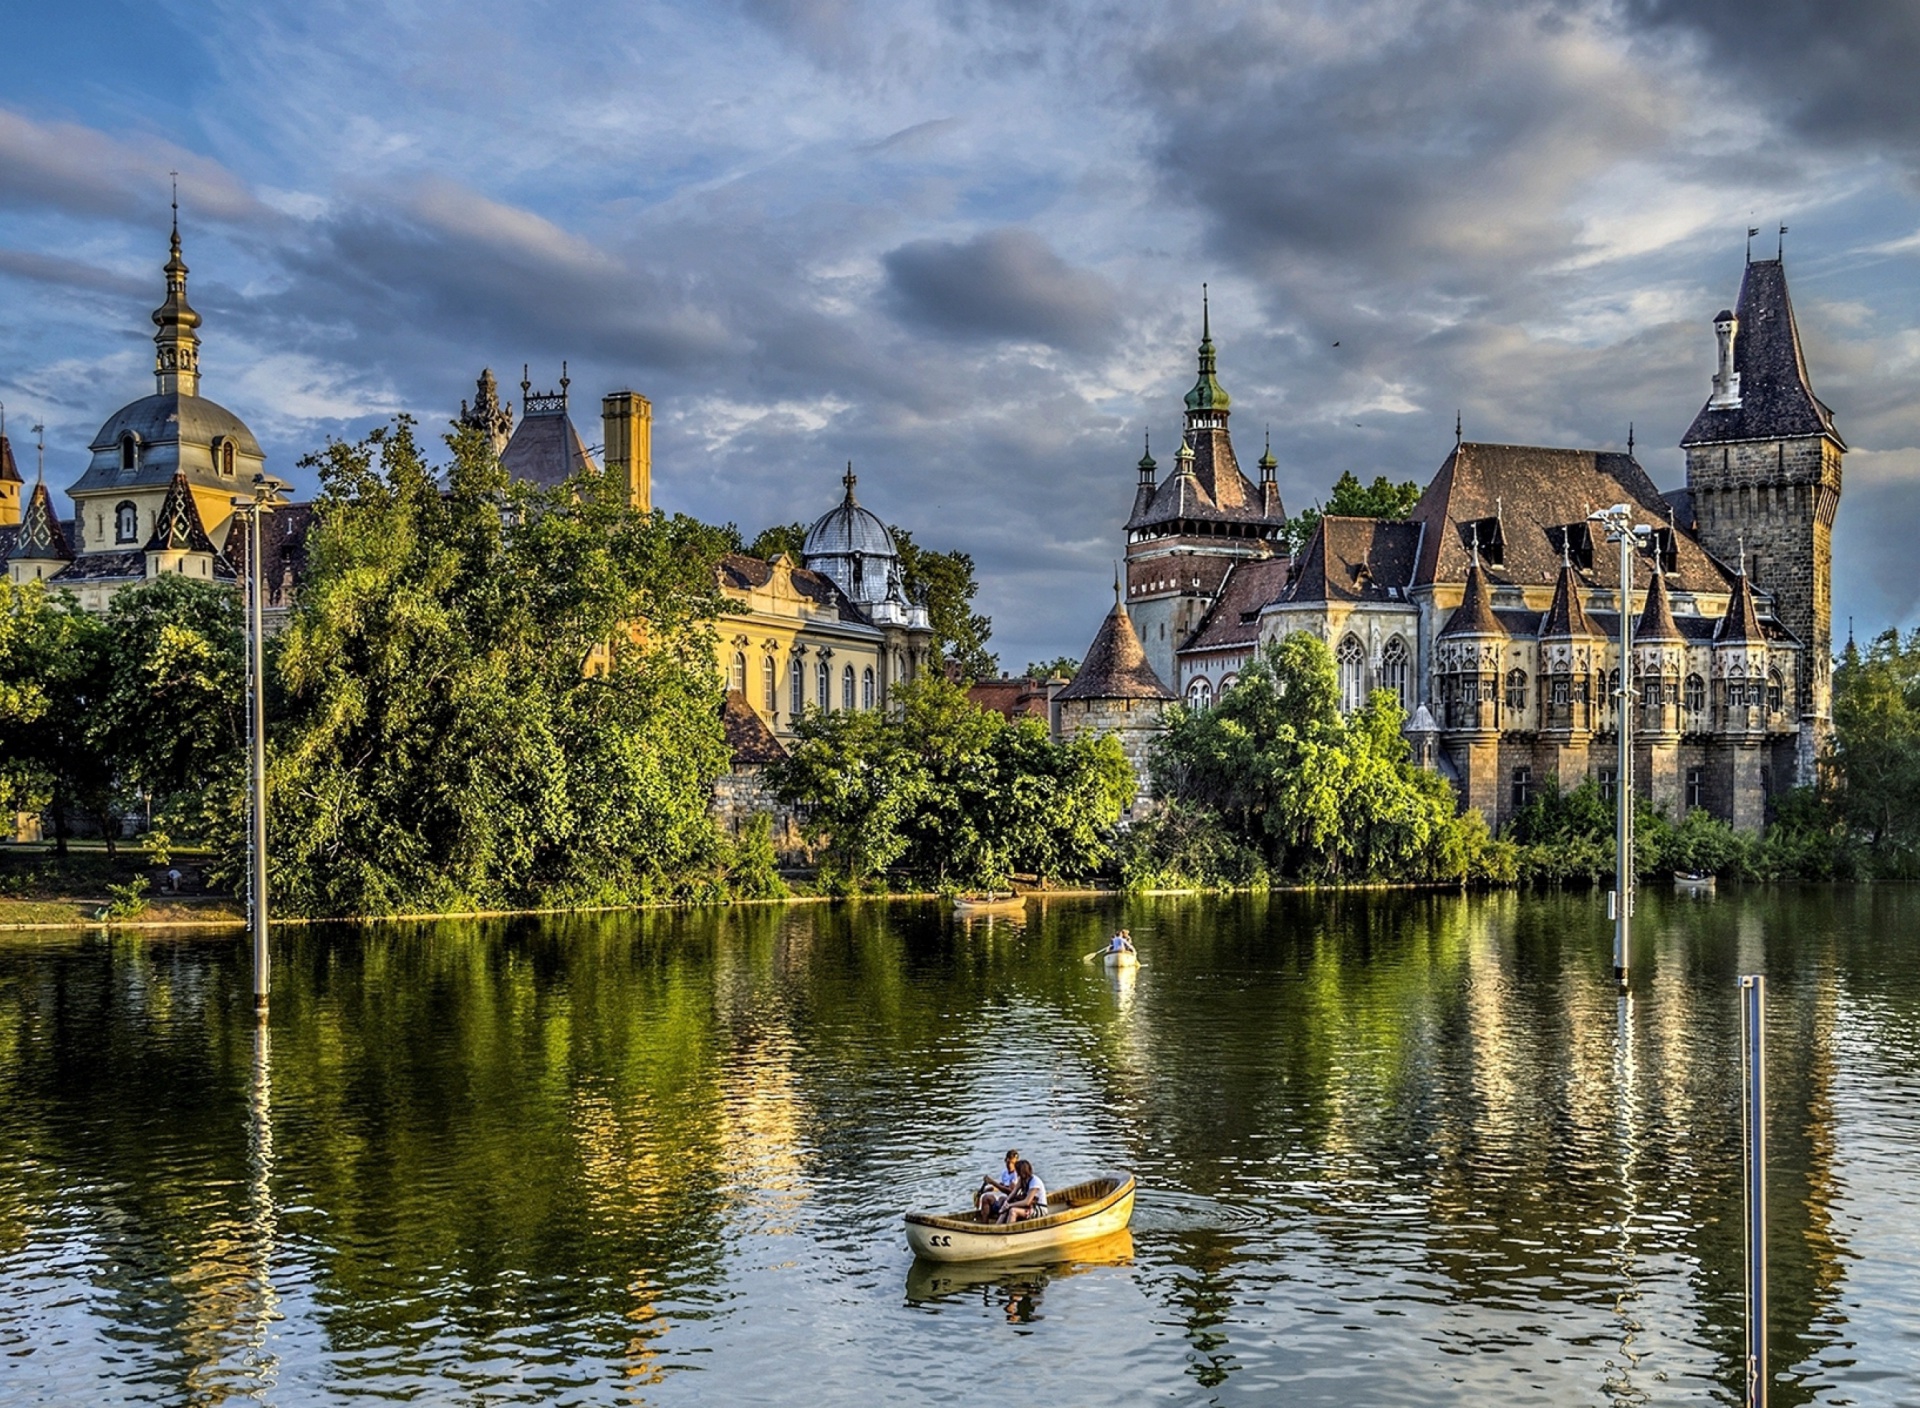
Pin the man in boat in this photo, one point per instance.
(991, 1197)
(1028, 1198)
(1121, 942)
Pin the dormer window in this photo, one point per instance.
(129, 452)
(126, 523)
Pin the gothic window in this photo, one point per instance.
(798, 688)
(1652, 695)
(1609, 779)
(866, 688)
(1696, 695)
(126, 523)
(129, 452)
(1228, 683)
(1470, 691)
(1351, 657)
(770, 682)
(1517, 691)
(737, 679)
(1393, 669)
(1562, 691)
(1775, 692)
(1522, 787)
(1696, 788)
(1199, 697)
(825, 681)
(846, 688)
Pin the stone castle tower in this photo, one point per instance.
(1763, 472)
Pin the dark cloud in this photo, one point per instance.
(76, 170)
(1004, 283)
(1841, 71)
(70, 273)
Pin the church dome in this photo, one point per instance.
(852, 546)
(163, 419)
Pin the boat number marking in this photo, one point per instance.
(940, 1241)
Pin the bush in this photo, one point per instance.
(1183, 847)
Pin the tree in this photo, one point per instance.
(1876, 751)
(788, 538)
(945, 582)
(53, 671)
(1351, 499)
(1061, 667)
(494, 695)
(951, 793)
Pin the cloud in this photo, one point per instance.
(78, 170)
(1005, 283)
(70, 273)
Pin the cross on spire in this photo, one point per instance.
(849, 480)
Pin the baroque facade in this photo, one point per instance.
(1492, 613)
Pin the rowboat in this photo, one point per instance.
(1692, 882)
(1122, 958)
(1016, 1277)
(1096, 1208)
(990, 904)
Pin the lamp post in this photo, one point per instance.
(1621, 529)
(1753, 1119)
(267, 492)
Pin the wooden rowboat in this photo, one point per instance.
(1124, 958)
(1096, 1208)
(990, 904)
(1692, 882)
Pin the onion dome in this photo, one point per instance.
(1207, 394)
(176, 361)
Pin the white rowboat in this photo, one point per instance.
(1125, 958)
(1097, 1208)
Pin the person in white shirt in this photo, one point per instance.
(1028, 1198)
(991, 1197)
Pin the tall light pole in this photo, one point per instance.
(267, 492)
(1621, 529)
(1753, 1119)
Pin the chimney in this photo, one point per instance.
(1726, 382)
(626, 425)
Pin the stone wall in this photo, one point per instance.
(743, 794)
(1135, 722)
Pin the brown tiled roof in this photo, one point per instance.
(1010, 698)
(1742, 621)
(1567, 616)
(1208, 488)
(1474, 615)
(9, 471)
(1531, 490)
(1357, 559)
(1656, 622)
(1775, 397)
(749, 741)
(1234, 617)
(746, 573)
(1116, 666)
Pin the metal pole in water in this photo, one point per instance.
(266, 490)
(1753, 1110)
(1620, 528)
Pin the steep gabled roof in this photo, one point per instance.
(1115, 666)
(1566, 617)
(9, 471)
(1776, 399)
(545, 448)
(1234, 617)
(1474, 615)
(1741, 624)
(39, 535)
(744, 573)
(1357, 559)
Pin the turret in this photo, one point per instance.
(1570, 649)
(176, 359)
(40, 546)
(1659, 652)
(1468, 651)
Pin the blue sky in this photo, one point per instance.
(960, 242)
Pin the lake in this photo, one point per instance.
(1392, 1148)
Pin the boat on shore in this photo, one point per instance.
(1692, 882)
(1084, 1212)
(990, 904)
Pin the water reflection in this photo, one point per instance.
(1013, 1288)
(1391, 1148)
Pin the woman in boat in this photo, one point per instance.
(1121, 942)
(1028, 1198)
(995, 1189)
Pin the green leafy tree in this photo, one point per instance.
(945, 582)
(492, 694)
(1875, 756)
(54, 669)
(788, 538)
(1061, 667)
(1351, 499)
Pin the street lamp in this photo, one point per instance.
(1620, 528)
(267, 492)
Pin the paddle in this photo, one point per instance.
(1095, 954)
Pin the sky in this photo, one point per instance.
(960, 243)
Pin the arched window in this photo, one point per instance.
(129, 452)
(770, 680)
(799, 689)
(823, 678)
(1352, 661)
(866, 688)
(126, 523)
(1199, 697)
(1652, 695)
(737, 680)
(1516, 691)
(1695, 697)
(1393, 670)
(1228, 683)
(1776, 692)
(846, 688)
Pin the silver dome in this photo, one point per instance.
(853, 547)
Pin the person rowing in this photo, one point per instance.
(1121, 942)
(1028, 1197)
(996, 1190)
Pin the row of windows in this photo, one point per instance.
(1564, 690)
(855, 691)
(1609, 780)
(223, 454)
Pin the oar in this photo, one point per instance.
(1095, 954)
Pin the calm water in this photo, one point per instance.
(1393, 1150)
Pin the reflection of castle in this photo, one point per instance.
(1492, 612)
(157, 495)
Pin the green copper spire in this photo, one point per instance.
(1207, 394)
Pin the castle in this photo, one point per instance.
(1492, 613)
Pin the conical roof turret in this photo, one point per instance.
(1566, 616)
(1115, 666)
(176, 361)
(1741, 624)
(1656, 621)
(40, 536)
(177, 527)
(1474, 616)
(9, 471)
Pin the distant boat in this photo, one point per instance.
(1693, 882)
(989, 903)
(1096, 1208)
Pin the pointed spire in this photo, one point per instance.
(1268, 464)
(1656, 621)
(1566, 616)
(1115, 665)
(1629, 439)
(849, 480)
(1456, 429)
(1741, 624)
(40, 537)
(1474, 616)
(176, 360)
(177, 527)
(1117, 603)
(1208, 397)
(1146, 465)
